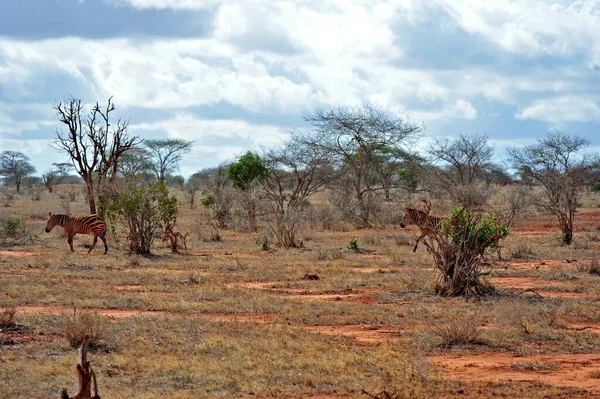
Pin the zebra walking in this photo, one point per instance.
(427, 223)
(79, 225)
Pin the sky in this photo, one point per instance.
(238, 75)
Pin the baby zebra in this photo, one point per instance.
(426, 223)
(79, 225)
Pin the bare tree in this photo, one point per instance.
(559, 164)
(166, 154)
(56, 175)
(463, 162)
(352, 137)
(93, 147)
(297, 170)
(14, 166)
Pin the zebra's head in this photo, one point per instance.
(51, 223)
(403, 220)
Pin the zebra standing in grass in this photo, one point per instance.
(79, 225)
(426, 223)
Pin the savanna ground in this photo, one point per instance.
(229, 319)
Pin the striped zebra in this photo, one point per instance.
(426, 223)
(79, 225)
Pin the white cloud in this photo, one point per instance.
(526, 27)
(461, 109)
(163, 4)
(215, 141)
(568, 108)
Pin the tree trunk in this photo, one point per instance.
(91, 199)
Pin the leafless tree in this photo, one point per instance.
(353, 137)
(297, 170)
(93, 141)
(462, 163)
(558, 162)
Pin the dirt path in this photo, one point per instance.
(545, 288)
(362, 295)
(569, 370)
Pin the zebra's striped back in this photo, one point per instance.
(422, 219)
(78, 224)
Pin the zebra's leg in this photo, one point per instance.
(70, 241)
(93, 243)
(423, 234)
(103, 238)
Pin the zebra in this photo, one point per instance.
(79, 225)
(426, 223)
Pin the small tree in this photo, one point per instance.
(14, 166)
(245, 174)
(296, 171)
(458, 248)
(165, 155)
(559, 164)
(145, 210)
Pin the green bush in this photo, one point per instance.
(145, 210)
(12, 227)
(461, 226)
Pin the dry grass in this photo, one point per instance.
(81, 323)
(591, 266)
(457, 333)
(7, 317)
(211, 335)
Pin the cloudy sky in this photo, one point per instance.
(237, 74)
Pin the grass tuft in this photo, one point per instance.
(82, 323)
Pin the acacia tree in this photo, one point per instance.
(135, 163)
(559, 164)
(165, 155)
(462, 162)
(94, 148)
(353, 137)
(14, 166)
(56, 175)
(295, 171)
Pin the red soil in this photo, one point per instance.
(541, 287)
(569, 370)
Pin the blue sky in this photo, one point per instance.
(238, 74)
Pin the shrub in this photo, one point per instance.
(591, 266)
(457, 333)
(353, 245)
(83, 323)
(145, 210)
(12, 227)
(458, 247)
(522, 251)
(7, 317)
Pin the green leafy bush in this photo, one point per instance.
(145, 210)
